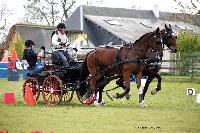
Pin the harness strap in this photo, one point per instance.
(118, 59)
(94, 59)
(117, 56)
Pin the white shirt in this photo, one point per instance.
(58, 38)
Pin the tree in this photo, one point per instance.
(49, 12)
(189, 49)
(189, 10)
(4, 13)
(67, 6)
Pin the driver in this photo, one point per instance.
(60, 43)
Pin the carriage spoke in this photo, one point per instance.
(52, 85)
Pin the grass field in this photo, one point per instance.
(170, 111)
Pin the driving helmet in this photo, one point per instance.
(61, 25)
(29, 43)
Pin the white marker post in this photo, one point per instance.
(190, 91)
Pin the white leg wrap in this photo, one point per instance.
(140, 90)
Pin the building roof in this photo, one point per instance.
(130, 29)
(142, 14)
(127, 24)
(40, 34)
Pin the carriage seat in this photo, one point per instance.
(43, 73)
(32, 74)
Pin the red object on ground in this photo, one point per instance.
(14, 55)
(51, 132)
(8, 98)
(29, 98)
(3, 131)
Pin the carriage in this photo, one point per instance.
(56, 83)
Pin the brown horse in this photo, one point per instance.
(103, 61)
(152, 69)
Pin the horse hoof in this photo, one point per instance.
(153, 92)
(116, 95)
(143, 105)
(98, 104)
(128, 95)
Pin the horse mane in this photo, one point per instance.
(141, 38)
(132, 44)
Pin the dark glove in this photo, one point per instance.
(75, 49)
(62, 44)
(43, 48)
(68, 45)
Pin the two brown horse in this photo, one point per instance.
(109, 62)
(153, 65)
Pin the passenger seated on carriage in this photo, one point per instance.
(60, 46)
(31, 57)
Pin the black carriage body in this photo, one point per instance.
(70, 74)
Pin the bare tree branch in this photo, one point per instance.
(67, 6)
(48, 11)
(189, 11)
(4, 13)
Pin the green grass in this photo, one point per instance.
(170, 111)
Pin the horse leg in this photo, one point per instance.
(139, 87)
(126, 77)
(158, 88)
(120, 83)
(100, 100)
(149, 79)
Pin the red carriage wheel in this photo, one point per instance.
(34, 87)
(67, 95)
(52, 90)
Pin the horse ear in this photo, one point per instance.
(166, 26)
(157, 30)
(170, 26)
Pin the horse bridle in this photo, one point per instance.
(167, 36)
(158, 41)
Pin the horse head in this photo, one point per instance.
(169, 39)
(157, 45)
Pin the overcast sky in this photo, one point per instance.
(164, 5)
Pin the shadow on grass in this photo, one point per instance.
(70, 105)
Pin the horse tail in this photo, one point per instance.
(84, 73)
